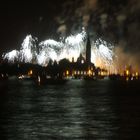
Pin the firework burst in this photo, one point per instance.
(101, 52)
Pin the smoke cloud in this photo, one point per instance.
(124, 59)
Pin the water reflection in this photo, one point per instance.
(77, 110)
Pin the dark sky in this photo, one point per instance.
(17, 19)
(114, 20)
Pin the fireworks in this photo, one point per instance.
(11, 56)
(28, 50)
(74, 45)
(49, 49)
(102, 54)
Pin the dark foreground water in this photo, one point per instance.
(96, 110)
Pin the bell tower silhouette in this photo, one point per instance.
(88, 50)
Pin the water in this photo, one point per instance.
(99, 110)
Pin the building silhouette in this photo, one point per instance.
(82, 68)
(88, 50)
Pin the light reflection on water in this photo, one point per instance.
(77, 110)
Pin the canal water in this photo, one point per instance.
(96, 110)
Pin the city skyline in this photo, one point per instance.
(69, 69)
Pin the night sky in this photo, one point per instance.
(116, 21)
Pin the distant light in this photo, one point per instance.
(102, 73)
(30, 72)
(82, 61)
(78, 72)
(137, 74)
(127, 72)
(67, 72)
(89, 72)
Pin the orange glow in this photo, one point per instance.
(137, 74)
(89, 72)
(127, 72)
(102, 73)
(30, 72)
(67, 72)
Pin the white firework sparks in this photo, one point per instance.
(49, 49)
(74, 45)
(101, 52)
(28, 50)
(11, 56)
(51, 43)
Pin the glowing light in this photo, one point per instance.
(30, 72)
(127, 72)
(78, 72)
(67, 72)
(137, 74)
(89, 72)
